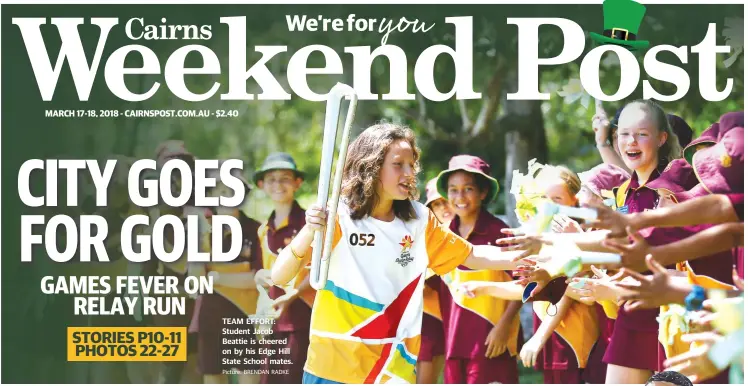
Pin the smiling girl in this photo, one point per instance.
(561, 185)
(646, 144)
(483, 332)
(366, 321)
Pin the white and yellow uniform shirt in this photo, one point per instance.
(366, 322)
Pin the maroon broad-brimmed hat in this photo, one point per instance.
(681, 129)
(677, 180)
(604, 177)
(432, 194)
(729, 121)
(470, 164)
(720, 167)
(706, 139)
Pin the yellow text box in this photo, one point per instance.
(127, 344)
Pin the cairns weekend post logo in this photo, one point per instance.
(619, 35)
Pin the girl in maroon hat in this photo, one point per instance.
(483, 333)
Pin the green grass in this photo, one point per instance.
(529, 375)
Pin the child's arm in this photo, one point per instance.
(602, 129)
(490, 257)
(509, 290)
(713, 240)
(711, 209)
(531, 349)
(585, 241)
(293, 257)
(282, 302)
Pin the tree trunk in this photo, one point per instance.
(522, 123)
(524, 132)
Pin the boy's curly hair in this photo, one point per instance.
(672, 377)
(364, 162)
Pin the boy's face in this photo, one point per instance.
(280, 185)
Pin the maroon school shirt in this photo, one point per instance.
(466, 331)
(638, 199)
(556, 354)
(298, 315)
(717, 266)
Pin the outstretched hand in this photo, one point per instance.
(529, 244)
(610, 219)
(695, 364)
(651, 291)
(632, 255)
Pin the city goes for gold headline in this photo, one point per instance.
(89, 231)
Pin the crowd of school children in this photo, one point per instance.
(432, 291)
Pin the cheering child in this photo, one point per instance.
(647, 144)
(366, 321)
(482, 332)
(280, 179)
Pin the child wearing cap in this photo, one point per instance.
(483, 333)
(431, 357)
(280, 179)
(235, 294)
(366, 320)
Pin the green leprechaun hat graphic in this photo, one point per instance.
(622, 19)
